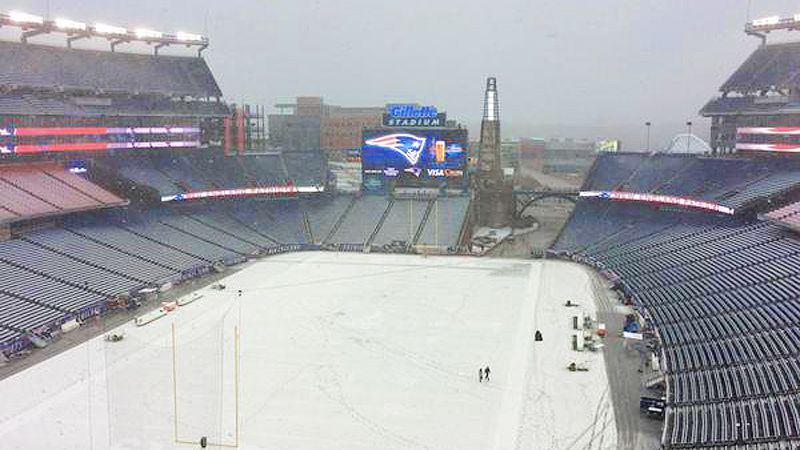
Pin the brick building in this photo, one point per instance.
(310, 124)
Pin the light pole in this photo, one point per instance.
(688, 135)
(647, 124)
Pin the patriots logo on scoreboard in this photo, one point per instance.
(408, 145)
(416, 171)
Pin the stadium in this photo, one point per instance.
(170, 280)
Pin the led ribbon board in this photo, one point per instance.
(25, 149)
(244, 192)
(657, 199)
(769, 130)
(11, 145)
(776, 148)
(95, 131)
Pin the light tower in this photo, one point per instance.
(495, 198)
(490, 163)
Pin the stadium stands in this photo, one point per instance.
(83, 186)
(20, 316)
(49, 189)
(91, 252)
(444, 222)
(611, 172)
(324, 215)
(645, 180)
(402, 222)
(217, 236)
(59, 267)
(306, 168)
(757, 94)
(155, 230)
(69, 249)
(218, 220)
(265, 170)
(723, 296)
(55, 68)
(95, 257)
(763, 188)
(56, 264)
(143, 170)
(361, 220)
(46, 291)
(749, 105)
(737, 183)
(37, 190)
(59, 104)
(788, 216)
(708, 175)
(124, 241)
(280, 222)
(204, 171)
(21, 204)
(236, 171)
(769, 66)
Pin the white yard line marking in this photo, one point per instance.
(508, 417)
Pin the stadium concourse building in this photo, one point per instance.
(758, 109)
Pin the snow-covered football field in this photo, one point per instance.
(336, 351)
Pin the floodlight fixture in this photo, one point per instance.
(33, 25)
(25, 18)
(102, 28)
(766, 21)
(144, 33)
(69, 25)
(188, 37)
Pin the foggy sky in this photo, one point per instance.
(571, 67)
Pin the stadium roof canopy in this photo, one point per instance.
(60, 69)
(774, 67)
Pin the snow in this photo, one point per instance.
(337, 351)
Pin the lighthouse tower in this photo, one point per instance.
(489, 163)
(495, 197)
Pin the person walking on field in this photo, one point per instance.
(486, 373)
(480, 375)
